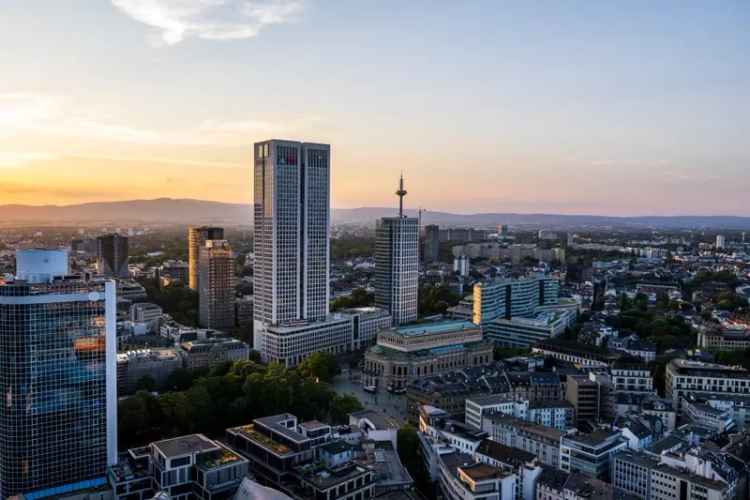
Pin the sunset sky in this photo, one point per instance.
(623, 108)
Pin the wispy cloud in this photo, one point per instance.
(57, 117)
(176, 20)
(17, 159)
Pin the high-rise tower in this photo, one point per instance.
(197, 237)
(292, 230)
(216, 293)
(112, 255)
(58, 416)
(397, 263)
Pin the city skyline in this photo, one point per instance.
(578, 108)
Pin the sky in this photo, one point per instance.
(612, 108)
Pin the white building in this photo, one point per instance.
(461, 265)
(291, 231)
(721, 241)
(684, 377)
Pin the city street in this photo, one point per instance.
(392, 405)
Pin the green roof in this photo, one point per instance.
(436, 327)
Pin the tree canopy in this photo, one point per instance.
(230, 395)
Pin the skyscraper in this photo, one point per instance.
(112, 256)
(58, 415)
(216, 293)
(292, 229)
(431, 244)
(397, 264)
(721, 241)
(292, 234)
(197, 237)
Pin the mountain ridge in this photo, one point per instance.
(192, 211)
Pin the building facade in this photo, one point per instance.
(590, 453)
(539, 440)
(512, 298)
(405, 353)
(197, 237)
(216, 285)
(397, 267)
(291, 231)
(684, 377)
(431, 244)
(112, 256)
(190, 467)
(58, 420)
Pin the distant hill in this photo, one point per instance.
(161, 210)
(187, 211)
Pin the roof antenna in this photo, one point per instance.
(401, 193)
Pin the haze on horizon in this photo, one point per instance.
(607, 108)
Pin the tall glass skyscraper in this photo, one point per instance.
(292, 230)
(58, 411)
(397, 264)
(112, 255)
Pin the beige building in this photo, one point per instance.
(406, 353)
(197, 237)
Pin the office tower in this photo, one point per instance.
(721, 241)
(397, 264)
(112, 256)
(512, 298)
(431, 244)
(197, 237)
(216, 281)
(58, 417)
(292, 230)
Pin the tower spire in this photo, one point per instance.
(401, 193)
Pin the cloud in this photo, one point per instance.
(17, 159)
(20, 110)
(177, 20)
(60, 118)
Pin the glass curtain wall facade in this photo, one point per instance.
(58, 411)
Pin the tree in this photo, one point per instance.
(319, 365)
(342, 406)
(179, 380)
(436, 299)
(358, 298)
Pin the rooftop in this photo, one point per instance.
(261, 439)
(434, 328)
(184, 445)
(324, 478)
(504, 454)
(217, 459)
(481, 472)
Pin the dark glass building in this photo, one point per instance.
(112, 256)
(58, 411)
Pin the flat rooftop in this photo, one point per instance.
(184, 445)
(434, 328)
